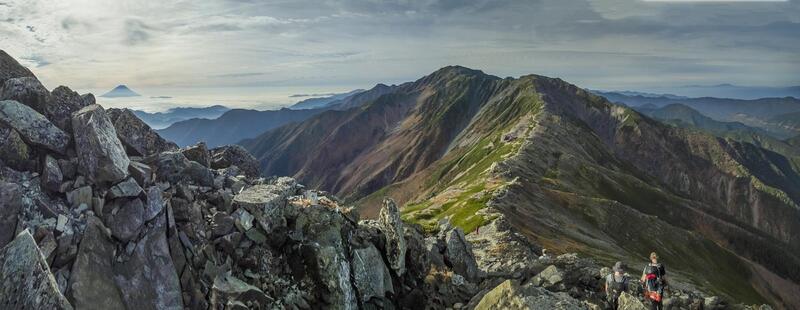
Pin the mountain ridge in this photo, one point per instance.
(120, 91)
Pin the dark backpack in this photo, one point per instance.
(616, 288)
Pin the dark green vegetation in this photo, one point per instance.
(567, 168)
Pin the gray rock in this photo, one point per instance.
(459, 255)
(14, 153)
(229, 289)
(10, 207)
(235, 155)
(10, 68)
(33, 127)
(550, 277)
(243, 220)
(628, 302)
(392, 227)
(126, 188)
(80, 195)
(91, 284)
(124, 217)
(101, 156)
(221, 225)
(28, 91)
(198, 153)
(174, 168)
(136, 135)
(51, 174)
(140, 172)
(158, 287)
(371, 276)
(510, 295)
(68, 167)
(63, 102)
(25, 278)
(155, 203)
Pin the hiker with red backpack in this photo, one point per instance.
(654, 280)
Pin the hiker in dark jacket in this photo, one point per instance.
(654, 280)
(616, 283)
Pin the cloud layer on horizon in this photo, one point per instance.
(606, 44)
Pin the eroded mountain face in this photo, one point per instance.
(98, 211)
(567, 168)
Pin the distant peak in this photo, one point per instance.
(120, 91)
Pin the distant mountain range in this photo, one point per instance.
(161, 120)
(120, 91)
(737, 91)
(770, 114)
(321, 102)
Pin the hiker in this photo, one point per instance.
(654, 279)
(616, 283)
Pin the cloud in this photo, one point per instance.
(136, 32)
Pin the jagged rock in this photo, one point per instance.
(158, 287)
(458, 254)
(91, 284)
(51, 174)
(235, 155)
(10, 68)
(221, 225)
(126, 188)
(63, 102)
(34, 128)
(25, 278)
(124, 217)
(418, 261)
(68, 167)
(173, 167)
(10, 206)
(155, 203)
(266, 196)
(28, 91)
(81, 195)
(140, 172)
(243, 220)
(510, 295)
(229, 290)
(14, 153)
(392, 227)
(101, 156)
(628, 302)
(550, 277)
(371, 276)
(136, 135)
(198, 153)
(89, 99)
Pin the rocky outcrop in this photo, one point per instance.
(10, 207)
(28, 91)
(10, 68)
(33, 127)
(628, 302)
(511, 295)
(234, 155)
(25, 278)
(137, 136)
(101, 156)
(199, 153)
(392, 227)
(63, 103)
(15, 153)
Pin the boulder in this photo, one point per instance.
(25, 278)
(136, 135)
(628, 302)
(10, 207)
(91, 284)
(158, 287)
(222, 224)
(28, 91)
(51, 174)
(80, 195)
(64, 102)
(10, 68)
(33, 127)
(228, 290)
(140, 172)
(101, 156)
(235, 155)
(174, 168)
(551, 277)
(392, 227)
(126, 188)
(198, 153)
(125, 218)
(510, 295)
(155, 203)
(14, 153)
(370, 275)
(458, 255)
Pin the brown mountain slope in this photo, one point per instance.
(569, 169)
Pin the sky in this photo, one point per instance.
(347, 44)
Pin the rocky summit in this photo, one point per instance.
(101, 213)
